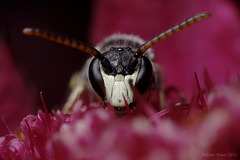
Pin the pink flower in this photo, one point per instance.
(34, 135)
(95, 133)
(11, 147)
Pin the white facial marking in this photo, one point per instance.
(108, 83)
(118, 86)
(119, 90)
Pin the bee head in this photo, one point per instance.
(116, 71)
(113, 72)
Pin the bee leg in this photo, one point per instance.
(170, 89)
(78, 83)
(164, 92)
(157, 85)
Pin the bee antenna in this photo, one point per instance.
(62, 40)
(188, 22)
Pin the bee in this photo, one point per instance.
(117, 64)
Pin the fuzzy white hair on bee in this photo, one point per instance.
(120, 61)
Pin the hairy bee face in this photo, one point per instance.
(113, 77)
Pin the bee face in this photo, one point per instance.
(113, 77)
(120, 63)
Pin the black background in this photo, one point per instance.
(45, 66)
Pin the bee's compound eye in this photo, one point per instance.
(144, 76)
(132, 63)
(106, 65)
(95, 77)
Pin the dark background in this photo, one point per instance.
(45, 66)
